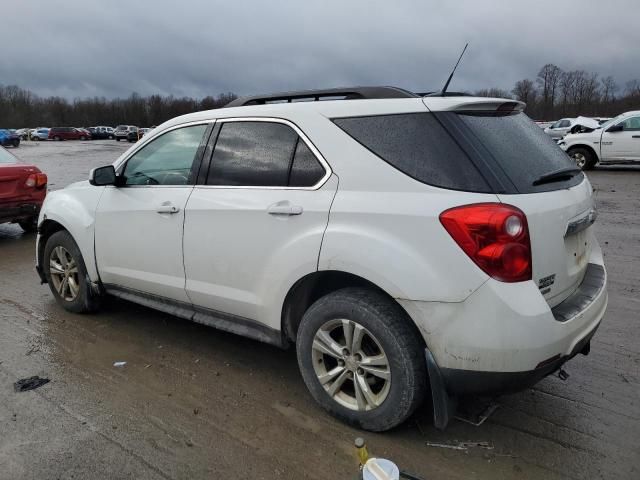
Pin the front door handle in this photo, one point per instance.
(167, 207)
(284, 208)
(635, 136)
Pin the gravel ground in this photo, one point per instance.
(193, 402)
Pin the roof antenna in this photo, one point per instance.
(446, 85)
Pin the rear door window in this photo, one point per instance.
(418, 145)
(262, 154)
(306, 170)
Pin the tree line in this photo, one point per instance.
(21, 108)
(553, 94)
(556, 93)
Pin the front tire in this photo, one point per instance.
(362, 359)
(583, 157)
(66, 274)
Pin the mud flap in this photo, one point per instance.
(444, 406)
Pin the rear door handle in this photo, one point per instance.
(284, 208)
(167, 207)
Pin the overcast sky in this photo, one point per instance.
(205, 47)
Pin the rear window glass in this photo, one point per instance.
(419, 146)
(520, 148)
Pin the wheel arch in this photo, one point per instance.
(317, 284)
(45, 230)
(586, 147)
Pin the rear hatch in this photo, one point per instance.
(13, 176)
(526, 169)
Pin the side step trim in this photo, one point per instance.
(212, 318)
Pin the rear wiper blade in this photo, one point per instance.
(556, 175)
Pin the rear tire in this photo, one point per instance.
(117, 139)
(66, 274)
(583, 157)
(16, 143)
(374, 383)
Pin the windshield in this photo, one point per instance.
(6, 157)
(608, 123)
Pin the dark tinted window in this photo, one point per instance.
(520, 148)
(166, 160)
(306, 170)
(252, 154)
(418, 145)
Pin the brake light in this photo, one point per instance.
(495, 236)
(36, 180)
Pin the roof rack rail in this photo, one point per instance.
(349, 93)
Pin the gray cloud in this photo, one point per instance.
(203, 47)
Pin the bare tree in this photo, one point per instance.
(525, 91)
(549, 80)
(632, 88)
(609, 89)
(492, 92)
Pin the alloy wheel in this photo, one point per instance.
(351, 365)
(64, 274)
(580, 159)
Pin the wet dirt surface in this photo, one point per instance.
(192, 402)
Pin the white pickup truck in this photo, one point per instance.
(616, 141)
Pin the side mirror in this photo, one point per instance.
(102, 176)
(615, 128)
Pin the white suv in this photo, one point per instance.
(406, 245)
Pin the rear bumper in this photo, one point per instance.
(468, 382)
(19, 212)
(505, 337)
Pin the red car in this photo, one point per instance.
(22, 191)
(68, 133)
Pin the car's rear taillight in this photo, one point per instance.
(36, 180)
(495, 236)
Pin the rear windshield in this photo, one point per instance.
(475, 151)
(521, 149)
(6, 157)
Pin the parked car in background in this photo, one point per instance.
(101, 132)
(86, 131)
(134, 135)
(39, 134)
(497, 277)
(23, 133)
(544, 124)
(569, 125)
(67, 133)
(122, 132)
(9, 138)
(614, 142)
(23, 188)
